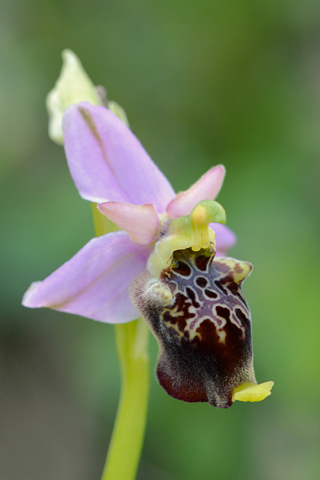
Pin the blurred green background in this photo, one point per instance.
(203, 83)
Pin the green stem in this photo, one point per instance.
(127, 437)
(128, 433)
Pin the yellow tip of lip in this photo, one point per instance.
(250, 392)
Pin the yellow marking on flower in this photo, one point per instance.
(222, 336)
(160, 292)
(251, 392)
(239, 269)
(191, 231)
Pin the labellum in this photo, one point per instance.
(202, 323)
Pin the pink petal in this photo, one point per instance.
(140, 222)
(225, 238)
(107, 162)
(206, 188)
(94, 283)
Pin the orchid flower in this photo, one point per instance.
(110, 167)
(167, 264)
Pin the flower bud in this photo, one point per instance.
(73, 86)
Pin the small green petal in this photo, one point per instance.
(115, 108)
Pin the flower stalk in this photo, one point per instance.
(132, 346)
(128, 434)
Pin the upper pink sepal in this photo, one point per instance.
(206, 188)
(139, 221)
(94, 283)
(107, 162)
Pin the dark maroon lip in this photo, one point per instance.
(204, 334)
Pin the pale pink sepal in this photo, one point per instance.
(94, 283)
(141, 222)
(107, 162)
(225, 238)
(206, 188)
